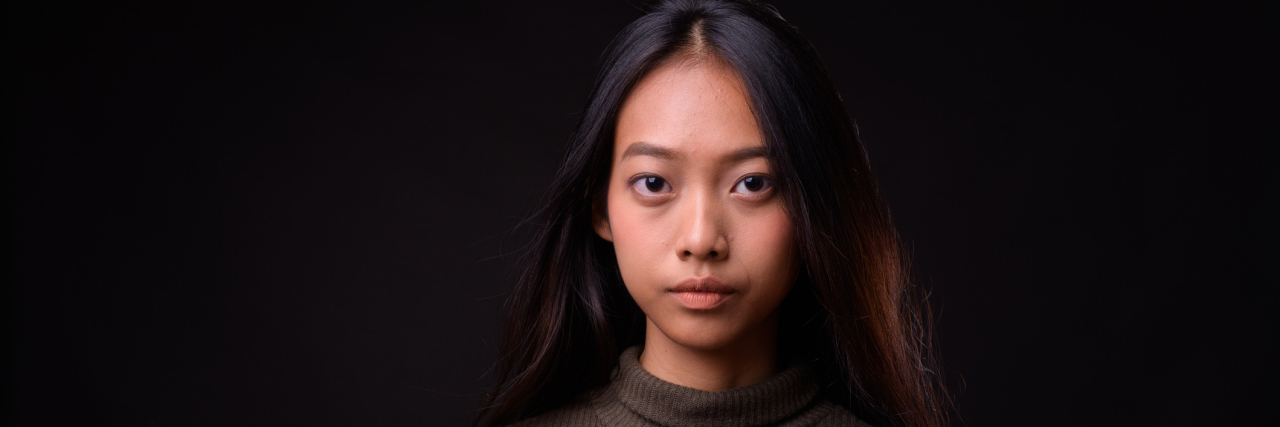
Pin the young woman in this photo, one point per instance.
(714, 250)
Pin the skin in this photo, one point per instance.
(689, 124)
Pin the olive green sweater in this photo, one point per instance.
(636, 398)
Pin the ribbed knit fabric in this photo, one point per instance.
(636, 398)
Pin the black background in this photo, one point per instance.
(248, 215)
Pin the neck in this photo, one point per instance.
(747, 361)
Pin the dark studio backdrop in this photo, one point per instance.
(254, 215)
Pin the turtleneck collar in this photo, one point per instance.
(635, 394)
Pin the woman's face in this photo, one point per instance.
(703, 241)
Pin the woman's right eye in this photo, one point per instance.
(651, 185)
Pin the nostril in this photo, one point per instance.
(713, 254)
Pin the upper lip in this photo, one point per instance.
(702, 284)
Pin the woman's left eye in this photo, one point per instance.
(753, 185)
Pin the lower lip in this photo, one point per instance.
(701, 300)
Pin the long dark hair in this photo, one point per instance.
(852, 308)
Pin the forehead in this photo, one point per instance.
(693, 108)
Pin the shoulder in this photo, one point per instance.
(579, 413)
(836, 415)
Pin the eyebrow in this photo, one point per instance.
(744, 154)
(646, 149)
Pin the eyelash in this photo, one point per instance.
(766, 185)
(641, 180)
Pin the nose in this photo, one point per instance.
(702, 235)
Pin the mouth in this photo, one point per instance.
(701, 293)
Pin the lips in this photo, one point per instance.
(701, 293)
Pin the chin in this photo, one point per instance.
(704, 335)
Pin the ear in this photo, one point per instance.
(600, 219)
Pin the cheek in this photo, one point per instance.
(768, 251)
(630, 234)
(638, 241)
